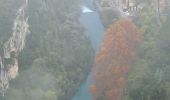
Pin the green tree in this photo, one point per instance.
(57, 56)
(148, 79)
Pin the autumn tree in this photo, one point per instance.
(114, 60)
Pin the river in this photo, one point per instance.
(94, 31)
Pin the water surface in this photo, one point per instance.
(94, 31)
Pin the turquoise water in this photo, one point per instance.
(94, 28)
(94, 31)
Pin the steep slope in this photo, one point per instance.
(57, 56)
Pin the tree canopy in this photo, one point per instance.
(57, 56)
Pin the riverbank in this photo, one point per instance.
(107, 15)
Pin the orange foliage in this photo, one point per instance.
(93, 90)
(114, 60)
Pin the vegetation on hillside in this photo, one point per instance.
(57, 56)
(148, 75)
(148, 79)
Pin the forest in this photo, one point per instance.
(45, 53)
(133, 62)
(57, 56)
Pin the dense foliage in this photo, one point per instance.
(114, 60)
(149, 78)
(57, 56)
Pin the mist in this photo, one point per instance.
(84, 49)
